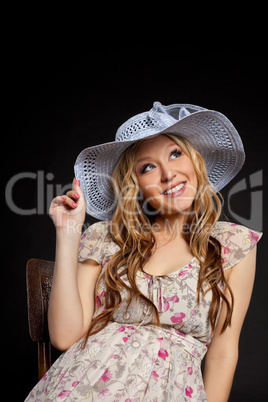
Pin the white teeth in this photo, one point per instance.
(174, 189)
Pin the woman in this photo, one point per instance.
(160, 281)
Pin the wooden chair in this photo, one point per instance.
(39, 274)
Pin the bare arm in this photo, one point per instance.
(71, 304)
(222, 356)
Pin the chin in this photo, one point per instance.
(182, 208)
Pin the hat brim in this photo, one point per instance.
(210, 133)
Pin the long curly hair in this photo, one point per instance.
(132, 230)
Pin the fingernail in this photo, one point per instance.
(77, 195)
(63, 198)
(78, 182)
(74, 205)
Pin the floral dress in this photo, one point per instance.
(131, 359)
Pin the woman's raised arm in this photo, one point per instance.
(71, 304)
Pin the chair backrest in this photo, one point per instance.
(39, 274)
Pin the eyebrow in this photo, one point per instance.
(143, 159)
(149, 157)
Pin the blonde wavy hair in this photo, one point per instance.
(132, 230)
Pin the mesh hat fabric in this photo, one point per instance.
(210, 132)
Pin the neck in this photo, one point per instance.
(171, 225)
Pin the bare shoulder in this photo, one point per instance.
(244, 270)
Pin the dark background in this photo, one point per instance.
(57, 104)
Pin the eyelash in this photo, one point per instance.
(178, 151)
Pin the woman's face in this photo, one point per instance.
(166, 176)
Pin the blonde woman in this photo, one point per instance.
(159, 282)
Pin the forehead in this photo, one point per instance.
(154, 144)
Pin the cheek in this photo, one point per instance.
(142, 184)
(148, 186)
(192, 176)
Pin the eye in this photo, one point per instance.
(147, 168)
(175, 154)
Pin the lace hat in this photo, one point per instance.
(210, 132)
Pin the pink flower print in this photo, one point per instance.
(253, 237)
(81, 238)
(163, 354)
(180, 333)
(189, 391)
(196, 353)
(155, 375)
(175, 299)
(183, 273)
(127, 400)
(224, 260)
(177, 317)
(165, 302)
(75, 383)
(98, 302)
(62, 375)
(159, 339)
(125, 339)
(64, 394)
(226, 250)
(103, 293)
(190, 370)
(104, 393)
(121, 329)
(106, 376)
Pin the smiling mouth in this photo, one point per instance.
(175, 189)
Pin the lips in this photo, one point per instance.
(176, 188)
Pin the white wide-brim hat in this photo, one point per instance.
(210, 133)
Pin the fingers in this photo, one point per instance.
(73, 196)
(76, 185)
(69, 201)
(61, 201)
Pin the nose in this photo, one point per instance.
(167, 174)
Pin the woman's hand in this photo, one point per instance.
(68, 211)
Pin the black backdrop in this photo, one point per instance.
(55, 105)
